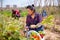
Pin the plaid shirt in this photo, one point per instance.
(30, 21)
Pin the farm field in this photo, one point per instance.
(12, 29)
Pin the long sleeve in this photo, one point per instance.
(40, 18)
(27, 22)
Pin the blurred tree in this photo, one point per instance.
(49, 2)
(53, 2)
(40, 3)
(46, 2)
(58, 2)
(35, 2)
(1, 4)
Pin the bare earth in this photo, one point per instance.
(51, 35)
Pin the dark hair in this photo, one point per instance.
(12, 10)
(31, 7)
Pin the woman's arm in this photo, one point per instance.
(39, 20)
(27, 22)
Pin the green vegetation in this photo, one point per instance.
(9, 13)
(24, 13)
(10, 28)
(6, 12)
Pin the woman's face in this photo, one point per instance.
(30, 12)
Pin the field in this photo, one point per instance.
(12, 29)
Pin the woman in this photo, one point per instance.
(33, 19)
(44, 14)
(15, 14)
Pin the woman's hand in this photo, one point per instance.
(26, 28)
(33, 26)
